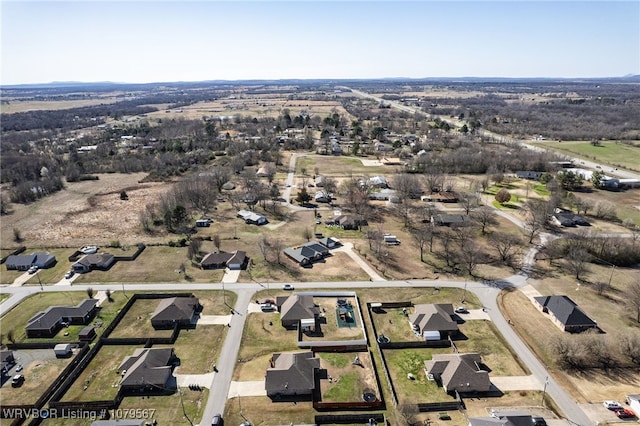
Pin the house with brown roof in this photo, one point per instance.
(565, 313)
(458, 372)
(47, 323)
(176, 310)
(296, 308)
(148, 370)
(434, 318)
(291, 374)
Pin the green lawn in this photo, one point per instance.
(613, 153)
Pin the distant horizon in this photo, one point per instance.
(142, 42)
(440, 78)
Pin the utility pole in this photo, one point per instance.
(544, 390)
(611, 276)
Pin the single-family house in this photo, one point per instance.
(322, 197)
(378, 182)
(95, 261)
(252, 217)
(320, 181)
(329, 242)
(429, 319)
(295, 308)
(385, 194)
(528, 174)
(568, 219)
(565, 313)
(451, 220)
(291, 374)
(148, 370)
(307, 253)
(507, 418)
(441, 197)
(22, 262)
(235, 260)
(47, 323)
(176, 310)
(347, 221)
(458, 372)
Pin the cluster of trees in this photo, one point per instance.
(592, 350)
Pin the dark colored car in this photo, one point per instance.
(217, 420)
(538, 421)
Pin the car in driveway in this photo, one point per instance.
(17, 380)
(33, 270)
(69, 274)
(89, 249)
(461, 310)
(538, 421)
(624, 413)
(612, 405)
(288, 287)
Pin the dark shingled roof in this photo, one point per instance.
(565, 310)
(175, 308)
(52, 315)
(147, 367)
(292, 372)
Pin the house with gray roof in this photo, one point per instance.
(252, 218)
(291, 374)
(22, 262)
(434, 318)
(508, 418)
(458, 372)
(47, 323)
(565, 313)
(7, 361)
(176, 310)
(295, 308)
(307, 253)
(451, 220)
(94, 261)
(235, 260)
(148, 370)
(529, 174)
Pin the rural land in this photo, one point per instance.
(297, 252)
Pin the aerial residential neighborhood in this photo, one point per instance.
(388, 296)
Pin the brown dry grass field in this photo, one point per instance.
(606, 309)
(18, 105)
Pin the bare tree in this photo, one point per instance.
(107, 293)
(422, 235)
(264, 244)
(536, 214)
(632, 298)
(469, 201)
(506, 245)
(193, 251)
(307, 234)
(216, 241)
(11, 336)
(484, 216)
(277, 247)
(17, 235)
(576, 261)
(90, 292)
(629, 343)
(471, 256)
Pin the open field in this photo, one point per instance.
(16, 319)
(85, 213)
(341, 166)
(11, 106)
(613, 153)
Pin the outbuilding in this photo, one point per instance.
(62, 350)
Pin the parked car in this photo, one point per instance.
(624, 413)
(89, 249)
(538, 421)
(461, 310)
(33, 270)
(217, 420)
(287, 287)
(612, 405)
(267, 307)
(69, 274)
(17, 380)
(19, 368)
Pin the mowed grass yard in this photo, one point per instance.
(613, 153)
(348, 381)
(17, 318)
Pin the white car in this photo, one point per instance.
(33, 270)
(69, 274)
(612, 405)
(287, 287)
(461, 310)
(89, 249)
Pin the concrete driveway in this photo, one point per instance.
(348, 249)
(230, 276)
(203, 380)
(214, 319)
(249, 388)
(514, 383)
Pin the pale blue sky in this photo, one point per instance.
(150, 41)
